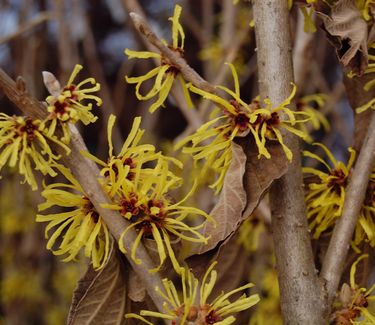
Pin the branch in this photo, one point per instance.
(333, 264)
(39, 19)
(300, 290)
(87, 173)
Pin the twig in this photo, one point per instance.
(333, 264)
(187, 72)
(87, 173)
(300, 290)
(41, 18)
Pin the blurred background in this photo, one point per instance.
(41, 35)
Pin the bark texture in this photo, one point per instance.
(300, 289)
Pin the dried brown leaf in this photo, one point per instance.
(100, 296)
(347, 30)
(260, 173)
(228, 210)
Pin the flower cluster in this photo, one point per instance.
(237, 120)
(141, 195)
(70, 103)
(166, 72)
(192, 306)
(24, 140)
(81, 225)
(353, 301)
(326, 195)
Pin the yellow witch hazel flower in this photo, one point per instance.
(193, 307)
(238, 120)
(81, 227)
(120, 169)
(318, 120)
(166, 73)
(353, 301)
(325, 198)
(154, 214)
(365, 230)
(71, 103)
(23, 140)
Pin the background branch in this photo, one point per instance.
(300, 290)
(334, 261)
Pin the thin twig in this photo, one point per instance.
(300, 290)
(333, 264)
(87, 173)
(39, 19)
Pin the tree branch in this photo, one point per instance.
(300, 290)
(333, 264)
(87, 173)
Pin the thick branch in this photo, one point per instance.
(87, 173)
(333, 264)
(301, 300)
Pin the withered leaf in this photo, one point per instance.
(100, 296)
(228, 210)
(260, 173)
(347, 30)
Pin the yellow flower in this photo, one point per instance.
(365, 229)
(318, 120)
(238, 120)
(154, 214)
(266, 123)
(69, 104)
(80, 226)
(23, 140)
(193, 306)
(353, 301)
(325, 198)
(166, 73)
(365, 7)
(120, 169)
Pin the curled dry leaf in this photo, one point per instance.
(100, 296)
(347, 31)
(260, 173)
(228, 210)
